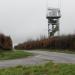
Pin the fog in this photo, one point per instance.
(26, 19)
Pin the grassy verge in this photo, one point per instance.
(47, 69)
(63, 51)
(58, 50)
(4, 55)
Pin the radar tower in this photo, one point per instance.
(53, 16)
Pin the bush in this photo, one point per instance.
(57, 42)
(5, 42)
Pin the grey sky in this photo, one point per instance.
(25, 19)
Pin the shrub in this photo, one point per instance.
(5, 42)
(57, 42)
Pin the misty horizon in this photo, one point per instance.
(25, 19)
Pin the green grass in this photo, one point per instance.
(63, 51)
(4, 55)
(58, 50)
(47, 69)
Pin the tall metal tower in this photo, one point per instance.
(53, 16)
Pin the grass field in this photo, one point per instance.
(4, 55)
(47, 69)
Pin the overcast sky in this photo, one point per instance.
(26, 19)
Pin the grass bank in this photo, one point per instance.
(47, 69)
(5, 55)
(57, 50)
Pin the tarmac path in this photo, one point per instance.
(40, 57)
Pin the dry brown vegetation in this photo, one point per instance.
(5, 42)
(57, 42)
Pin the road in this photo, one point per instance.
(40, 57)
(55, 56)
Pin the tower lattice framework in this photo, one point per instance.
(53, 17)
